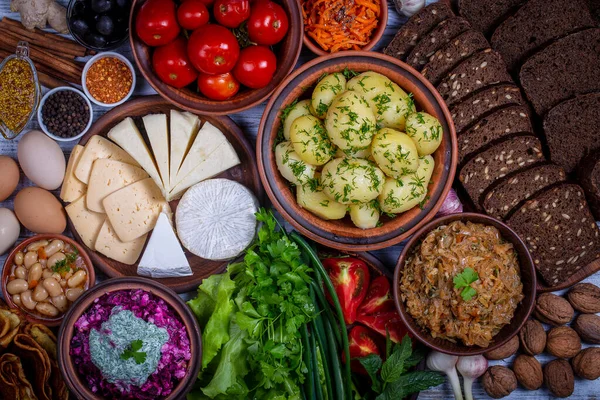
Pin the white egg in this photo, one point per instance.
(42, 160)
(9, 230)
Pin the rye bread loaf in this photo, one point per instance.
(559, 230)
(571, 129)
(443, 33)
(457, 50)
(502, 197)
(476, 72)
(416, 27)
(588, 174)
(485, 15)
(485, 168)
(568, 67)
(536, 24)
(501, 123)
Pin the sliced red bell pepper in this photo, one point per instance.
(362, 343)
(379, 297)
(390, 320)
(350, 278)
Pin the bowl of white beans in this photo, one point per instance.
(44, 275)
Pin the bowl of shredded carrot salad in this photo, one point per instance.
(331, 26)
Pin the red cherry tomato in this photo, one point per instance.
(268, 23)
(231, 13)
(213, 49)
(256, 67)
(192, 14)
(172, 65)
(156, 22)
(218, 87)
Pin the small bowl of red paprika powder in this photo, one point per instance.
(108, 79)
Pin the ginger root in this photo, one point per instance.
(38, 13)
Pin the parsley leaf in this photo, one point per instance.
(133, 351)
(464, 280)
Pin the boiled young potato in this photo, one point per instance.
(351, 180)
(394, 152)
(291, 113)
(291, 166)
(312, 198)
(330, 86)
(350, 121)
(310, 140)
(365, 215)
(400, 195)
(426, 131)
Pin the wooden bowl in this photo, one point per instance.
(287, 52)
(76, 385)
(8, 263)
(377, 34)
(528, 278)
(342, 234)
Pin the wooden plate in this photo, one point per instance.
(246, 173)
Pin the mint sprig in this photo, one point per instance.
(464, 281)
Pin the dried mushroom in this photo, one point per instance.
(563, 342)
(585, 298)
(586, 364)
(528, 371)
(506, 350)
(554, 310)
(499, 381)
(533, 337)
(588, 328)
(558, 377)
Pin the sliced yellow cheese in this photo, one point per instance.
(184, 127)
(72, 188)
(109, 244)
(87, 223)
(99, 147)
(107, 177)
(133, 210)
(158, 134)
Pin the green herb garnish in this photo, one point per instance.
(133, 351)
(464, 281)
(64, 266)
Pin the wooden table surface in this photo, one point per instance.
(249, 121)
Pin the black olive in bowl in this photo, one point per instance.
(98, 24)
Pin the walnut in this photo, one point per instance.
(506, 350)
(586, 364)
(588, 328)
(533, 337)
(585, 298)
(558, 377)
(528, 371)
(552, 309)
(563, 342)
(499, 381)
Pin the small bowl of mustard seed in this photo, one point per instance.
(65, 114)
(108, 79)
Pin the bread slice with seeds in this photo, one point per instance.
(588, 174)
(485, 168)
(507, 193)
(559, 230)
(457, 50)
(501, 123)
(485, 15)
(416, 27)
(475, 73)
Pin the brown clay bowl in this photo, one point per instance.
(377, 34)
(528, 278)
(6, 271)
(188, 98)
(342, 234)
(76, 385)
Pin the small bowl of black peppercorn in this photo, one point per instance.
(65, 114)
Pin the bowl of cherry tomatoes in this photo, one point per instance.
(215, 56)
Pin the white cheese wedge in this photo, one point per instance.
(164, 257)
(99, 147)
(184, 127)
(220, 160)
(133, 210)
(109, 244)
(215, 219)
(107, 177)
(158, 133)
(72, 188)
(87, 223)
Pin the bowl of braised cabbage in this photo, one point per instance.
(356, 150)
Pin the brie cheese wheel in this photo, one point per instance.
(215, 219)
(72, 188)
(158, 134)
(98, 147)
(109, 244)
(184, 127)
(87, 223)
(164, 257)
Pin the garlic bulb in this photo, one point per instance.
(409, 7)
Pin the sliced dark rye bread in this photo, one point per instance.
(457, 50)
(485, 15)
(501, 123)
(416, 27)
(476, 72)
(536, 24)
(443, 33)
(507, 193)
(568, 67)
(571, 129)
(481, 171)
(588, 174)
(559, 230)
